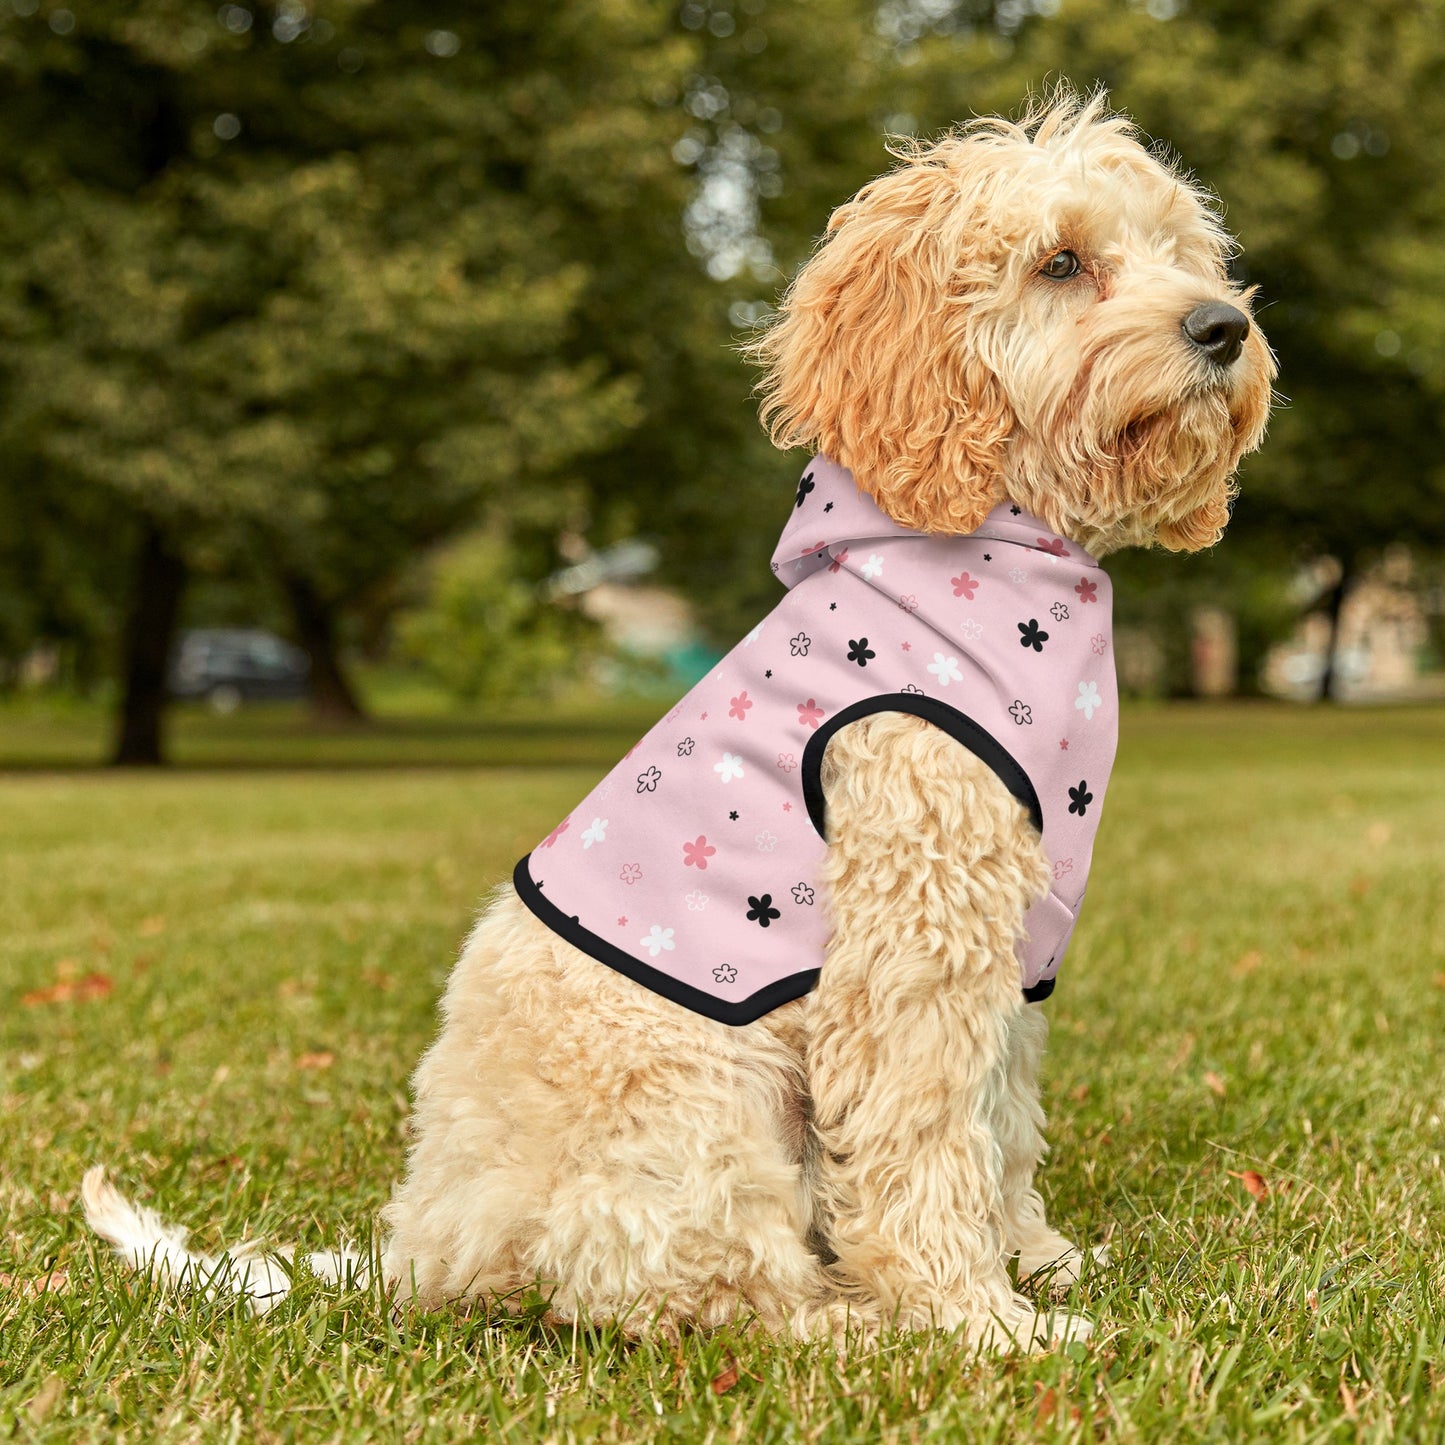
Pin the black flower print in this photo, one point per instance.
(733, 816)
(1021, 713)
(800, 644)
(725, 973)
(827, 506)
(768, 673)
(761, 910)
(1059, 612)
(803, 894)
(1080, 798)
(1032, 637)
(1016, 511)
(832, 607)
(647, 782)
(859, 651)
(685, 747)
(804, 487)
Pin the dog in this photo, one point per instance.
(1021, 340)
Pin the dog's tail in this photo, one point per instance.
(147, 1243)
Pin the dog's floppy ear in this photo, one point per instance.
(871, 359)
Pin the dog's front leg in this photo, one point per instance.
(931, 867)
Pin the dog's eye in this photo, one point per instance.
(1061, 266)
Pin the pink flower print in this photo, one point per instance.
(810, 714)
(1088, 591)
(630, 874)
(787, 762)
(1052, 544)
(557, 832)
(1099, 643)
(964, 586)
(908, 603)
(622, 922)
(972, 630)
(740, 705)
(696, 900)
(1062, 868)
(695, 855)
(766, 842)
(836, 564)
(1063, 745)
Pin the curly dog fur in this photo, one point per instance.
(864, 1156)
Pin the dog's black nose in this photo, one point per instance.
(1218, 331)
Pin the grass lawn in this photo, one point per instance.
(217, 980)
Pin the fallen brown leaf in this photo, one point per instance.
(1046, 1407)
(727, 1379)
(1247, 963)
(377, 978)
(1254, 1182)
(92, 986)
(56, 1282)
(1079, 1094)
(321, 1059)
(1439, 980)
(1214, 1083)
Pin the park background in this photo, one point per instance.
(407, 333)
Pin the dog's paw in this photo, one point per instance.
(1057, 1265)
(1021, 1326)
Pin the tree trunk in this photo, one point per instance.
(150, 629)
(332, 697)
(1329, 677)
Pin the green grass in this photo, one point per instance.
(1258, 984)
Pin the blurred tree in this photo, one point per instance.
(309, 286)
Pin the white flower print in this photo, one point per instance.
(766, 842)
(597, 833)
(1059, 612)
(1021, 713)
(1088, 699)
(945, 669)
(800, 644)
(696, 900)
(658, 941)
(1017, 574)
(731, 767)
(725, 973)
(873, 567)
(685, 747)
(802, 894)
(971, 630)
(753, 636)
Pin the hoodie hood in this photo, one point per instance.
(832, 515)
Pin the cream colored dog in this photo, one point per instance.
(1037, 312)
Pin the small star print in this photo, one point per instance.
(787, 807)
(768, 673)
(703, 718)
(733, 815)
(828, 506)
(1017, 511)
(622, 922)
(832, 607)
(987, 558)
(908, 647)
(1063, 745)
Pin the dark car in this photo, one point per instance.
(231, 665)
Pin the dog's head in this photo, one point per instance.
(1038, 311)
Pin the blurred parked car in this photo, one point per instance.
(230, 665)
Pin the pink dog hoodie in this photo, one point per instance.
(693, 866)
